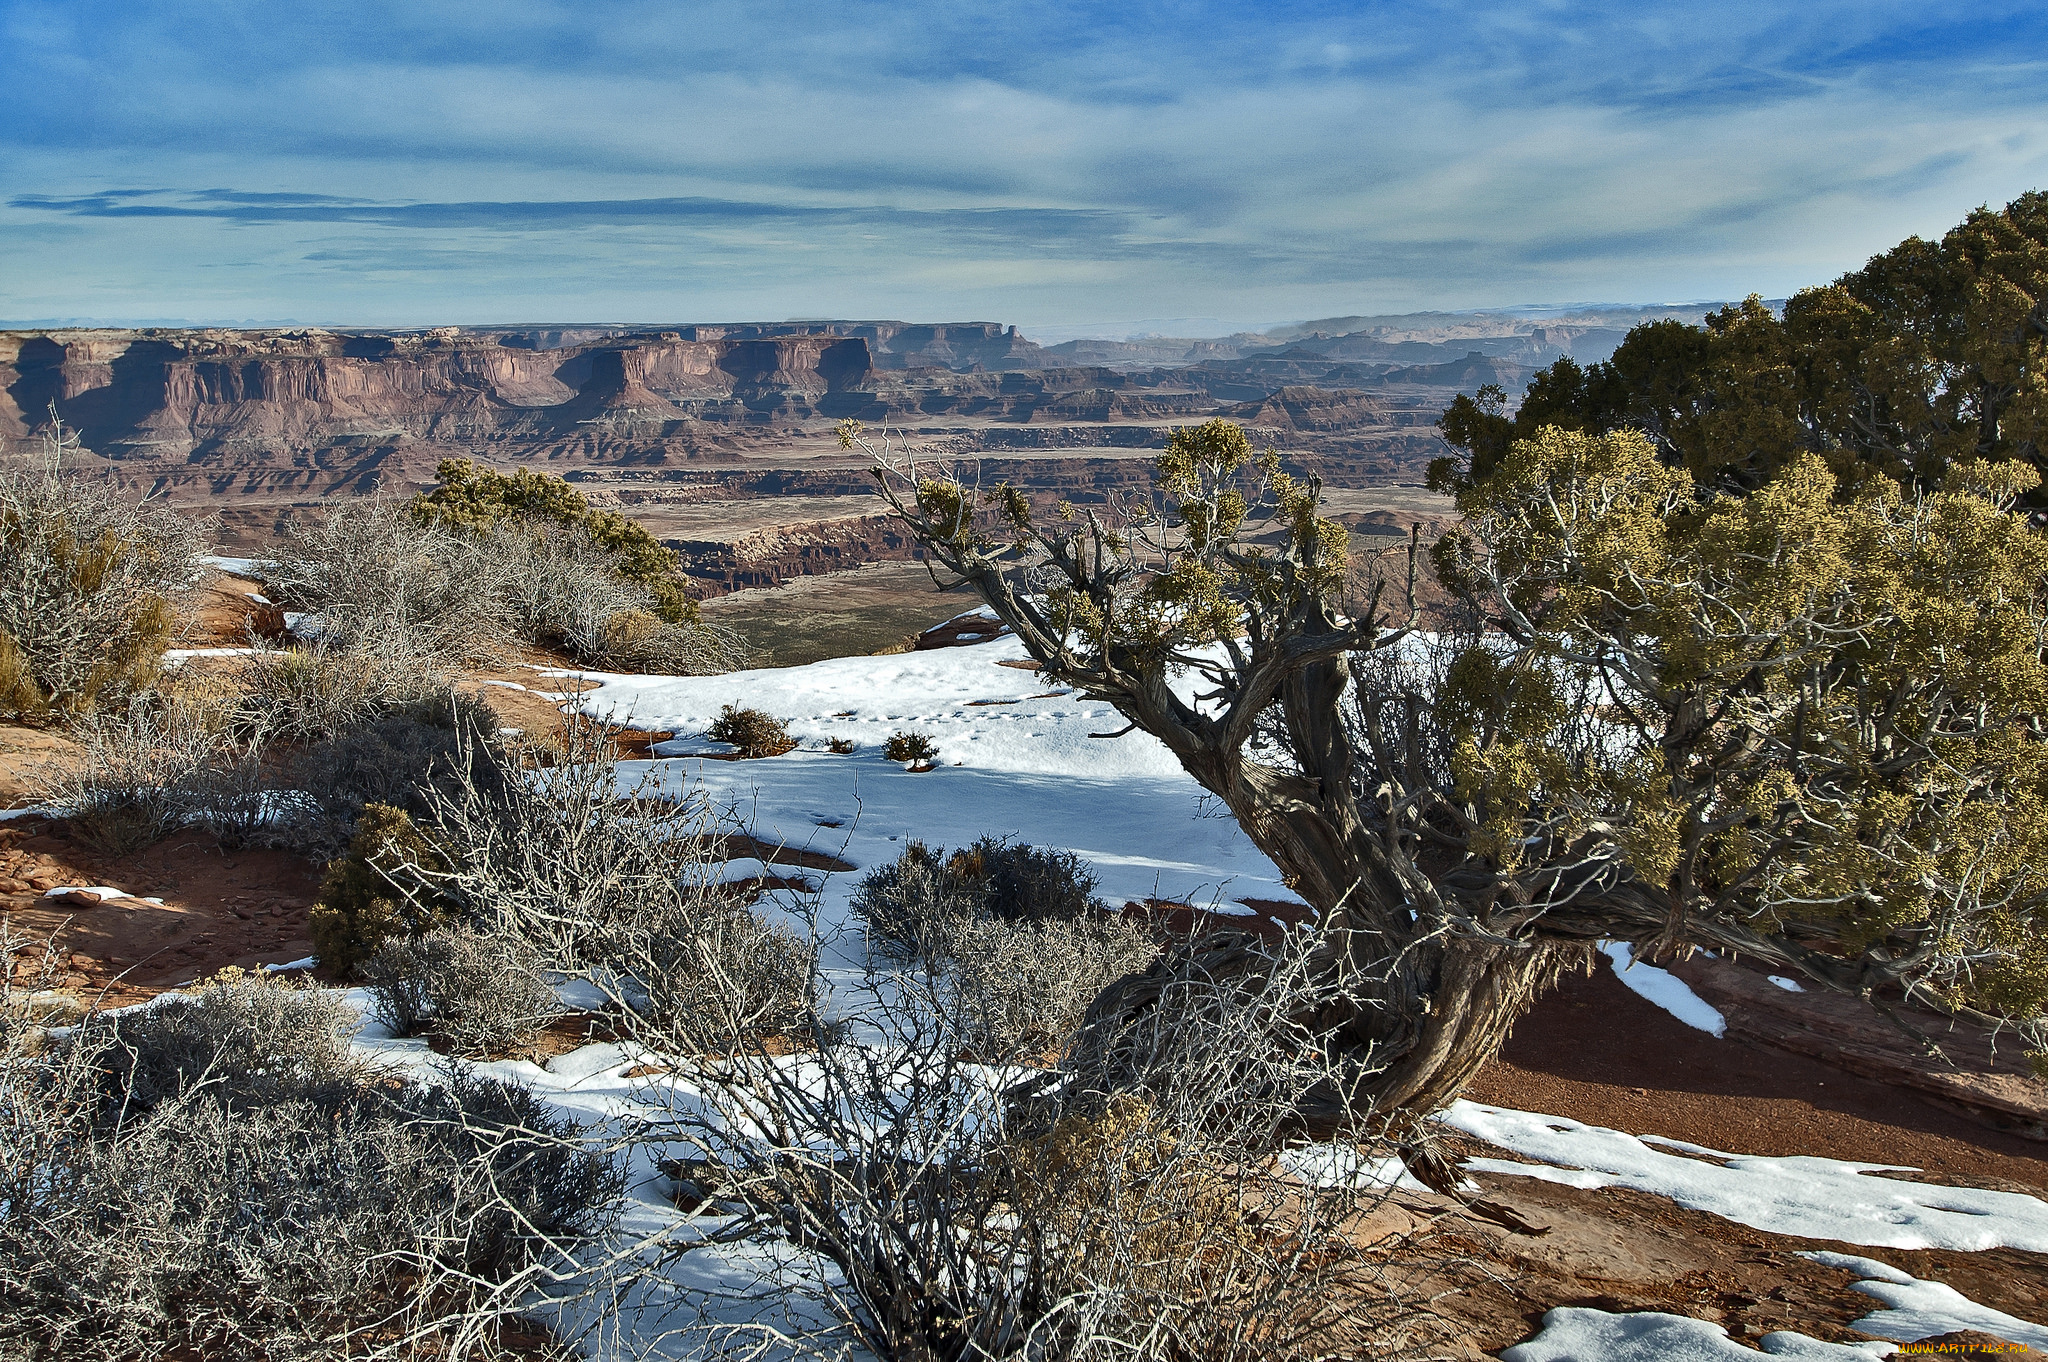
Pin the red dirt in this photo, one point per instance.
(1596, 1052)
(224, 613)
(220, 908)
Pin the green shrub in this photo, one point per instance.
(366, 898)
(474, 498)
(753, 732)
(88, 581)
(911, 746)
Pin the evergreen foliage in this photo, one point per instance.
(476, 499)
(1932, 355)
(366, 898)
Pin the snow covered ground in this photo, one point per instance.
(1016, 759)
(1913, 1310)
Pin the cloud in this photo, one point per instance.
(1038, 160)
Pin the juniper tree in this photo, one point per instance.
(1802, 722)
(1933, 354)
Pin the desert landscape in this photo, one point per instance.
(1805, 1120)
(1034, 683)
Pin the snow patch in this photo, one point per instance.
(1574, 1333)
(98, 891)
(1027, 770)
(1800, 1195)
(1917, 1310)
(240, 567)
(1924, 1309)
(1665, 989)
(179, 655)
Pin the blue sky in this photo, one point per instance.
(1075, 168)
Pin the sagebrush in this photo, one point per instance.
(754, 732)
(213, 1177)
(93, 585)
(485, 994)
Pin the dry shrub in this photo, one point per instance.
(317, 690)
(842, 746)
(242, 1041)
(920, 748)
(563, 589)
(1017, 990)
(210, 1177)
(719, 972)
(208, 754)
(913, 906)
(621, 883)
(168, 761)
(483, 993)
(383, 586)
(642, 642)
(1145, 1209)
(564, 858)
(422, 591)
(92, 585)
(753, 732)
(393, 757)
(591, 877)
(1022, 883)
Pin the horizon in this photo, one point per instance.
(1053, 334)
(1057, 165)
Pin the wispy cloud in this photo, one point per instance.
(1034, 161)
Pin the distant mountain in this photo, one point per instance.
(1451, 326)
(1528, 336)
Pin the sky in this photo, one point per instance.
(1106, 169)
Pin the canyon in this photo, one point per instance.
(721, 437)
